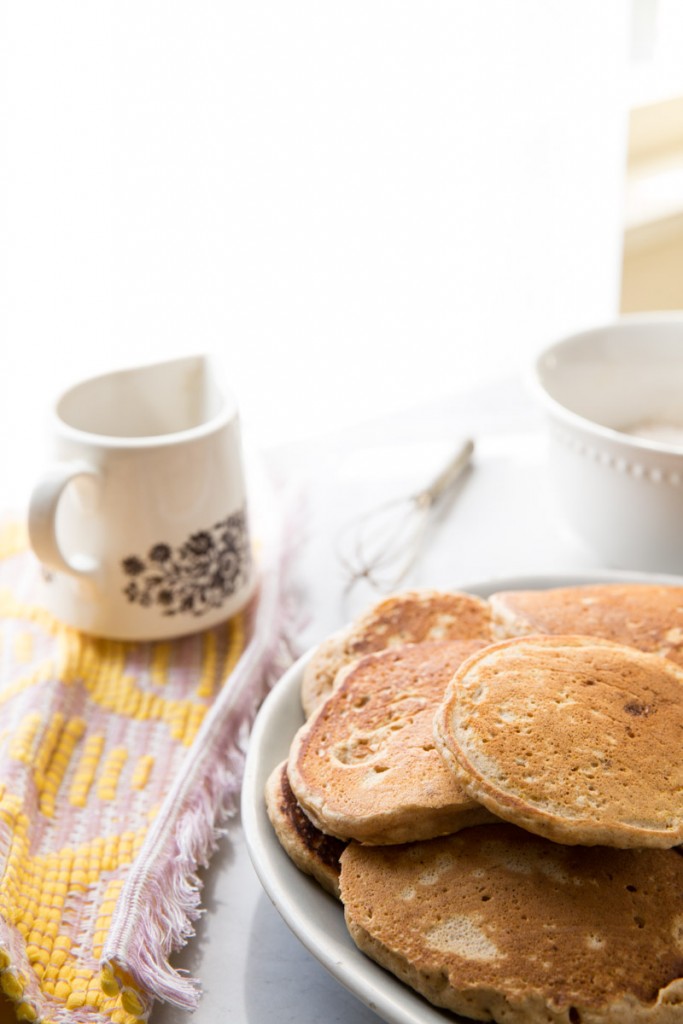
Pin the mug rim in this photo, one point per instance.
(657, 319)
(222, 418)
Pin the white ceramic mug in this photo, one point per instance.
(140, 521)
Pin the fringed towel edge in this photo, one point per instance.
(161, 897)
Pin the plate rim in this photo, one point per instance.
(377, 988)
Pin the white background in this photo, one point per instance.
(361, 205)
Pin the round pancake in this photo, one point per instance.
(365, 766)
(312, 851)
(498, 924)
(645, 616)
(412, 616)
(575, 738)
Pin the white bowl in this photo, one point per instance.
(613, 397)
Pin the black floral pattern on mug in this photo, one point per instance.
(195, 577)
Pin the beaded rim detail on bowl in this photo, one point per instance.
(619, 463)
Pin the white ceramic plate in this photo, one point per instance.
(315, 917)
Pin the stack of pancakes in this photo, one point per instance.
(494, 790)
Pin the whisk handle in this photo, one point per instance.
(448, 475)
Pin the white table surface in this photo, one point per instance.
(500, 523)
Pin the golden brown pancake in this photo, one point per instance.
(645, 616)
(365, 766)
(312, 851)
(575, 738)
(412, 616)
(498, 924)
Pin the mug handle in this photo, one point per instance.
(42, 518)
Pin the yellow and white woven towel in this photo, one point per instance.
(117, 761)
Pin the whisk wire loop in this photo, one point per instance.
(381, 546)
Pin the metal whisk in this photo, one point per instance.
(382, 545)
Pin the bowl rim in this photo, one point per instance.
(657, 319)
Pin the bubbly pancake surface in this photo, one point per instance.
(412, 616)
(365, 766)
(642, 615)
(575, 738)
(496, 923)
(312, 851)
